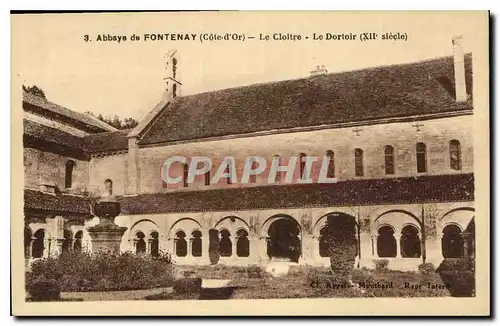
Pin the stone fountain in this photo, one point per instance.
(106, 236)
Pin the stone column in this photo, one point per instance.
(465, 239)
(234, 243)
(374, 249)
(59, 245)
(47, 247)
(262, 249)
(397, 235)
(308, 249)
(433, 250)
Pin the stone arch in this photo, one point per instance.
(38, 246)
(321, 222)
(452, 244)
(196, 243)
(78, 243)
(154, 239)
(186, 224)
(242, 243)
(386, 241)
(326, 233)
(68, 240)
(146, 226)
(28, 234)
(232, 224)
(411, 241)
(461, 216)
(397, 223)
(283, 237)
(140, 242)
(267, 223)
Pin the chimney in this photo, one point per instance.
(171, 79)
(459, 69)
(319, 71)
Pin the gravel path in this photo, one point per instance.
(114, 295)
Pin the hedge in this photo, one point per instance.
(102, 271)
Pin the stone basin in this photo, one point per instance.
(214, 283)
(213, 289)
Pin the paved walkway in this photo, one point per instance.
(114, 295)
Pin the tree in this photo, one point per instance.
(34, 90)
(115, 121)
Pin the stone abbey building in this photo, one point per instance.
(399, 138)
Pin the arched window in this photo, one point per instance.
(386, 242)
(278, 174)
(155, 244)
(331, 164)
(27, 242)
(225, 244)
(108, 183)
(302, 165)
(180, 244)
(358, 162)
(421, 158)
(68, 179)
(185, 171)
(452, 244)
(389, 159)
(196, 246)
(77, 246)
(68, 241)
(228, 170)
(242, 244)
(207, 178)
(140, 243)
(324, 250)
(411, 246)
(174, 68)
(253, 177)
(38, 244)
(455, 155)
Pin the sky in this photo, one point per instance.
(126, 78)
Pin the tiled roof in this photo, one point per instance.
(52, 135)
(423, 189)
(94, 143)
(64, 204)
(60, 110)
(106, 141)
(384, 92)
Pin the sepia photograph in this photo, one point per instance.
(250, 163)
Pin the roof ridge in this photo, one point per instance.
(371, 68)
(77, 115)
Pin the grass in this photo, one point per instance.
(298, 284)
(301, 282)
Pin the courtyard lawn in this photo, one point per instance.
(307, 282)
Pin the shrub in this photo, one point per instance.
(104, 271)
(43, 289)
(187, 285)
(342, 246)
(459, 274)
(426, 268)
(254, 271)
(213, 246)
(381, 265)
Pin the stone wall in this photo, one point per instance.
(41, 166)
(310, 220)
(372, 139)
